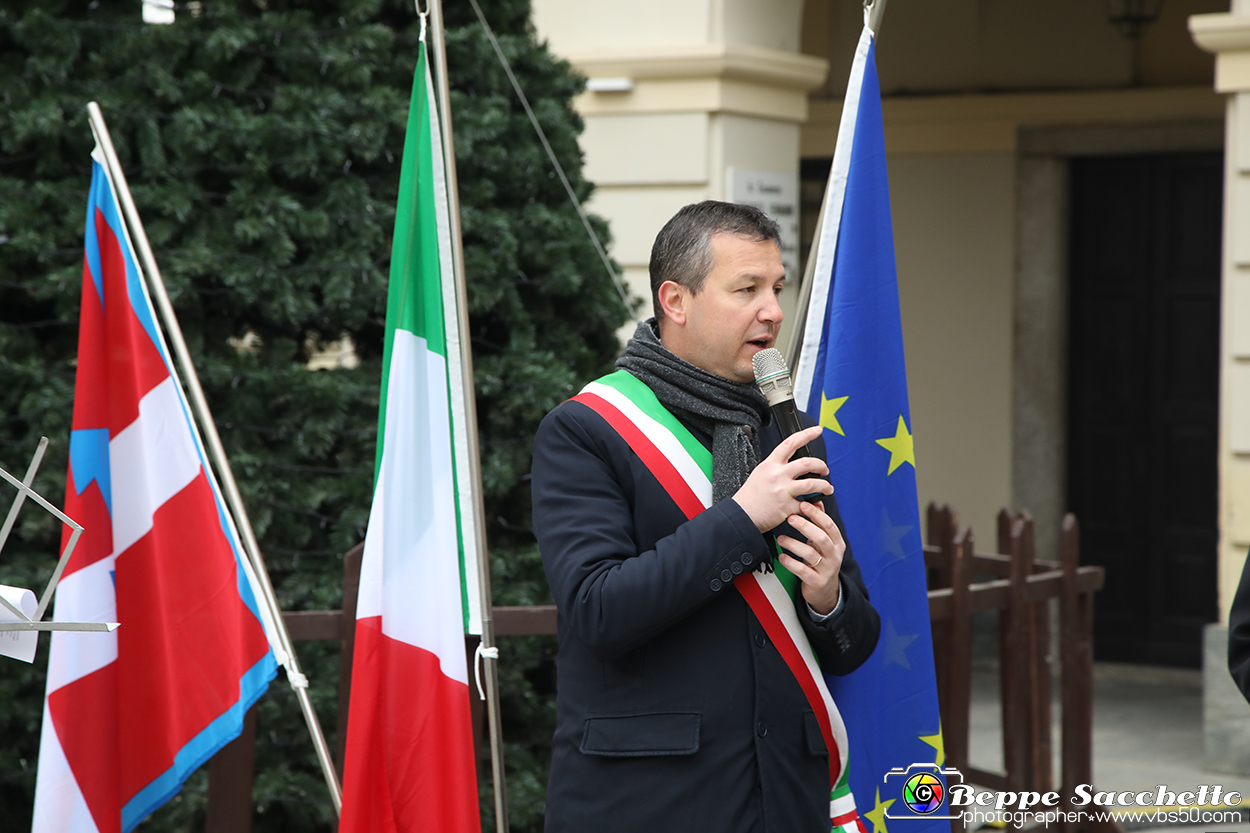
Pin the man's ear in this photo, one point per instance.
(673, 301)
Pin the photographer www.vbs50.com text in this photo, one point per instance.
(962, 795)
(1159, 807)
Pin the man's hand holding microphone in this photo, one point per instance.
(783, 490)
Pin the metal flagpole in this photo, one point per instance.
(489, 653)
(874, 11)
(296, 678)
(795, 342)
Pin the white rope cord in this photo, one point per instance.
(478, 656)
(542, 137)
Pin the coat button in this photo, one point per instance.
(725, 575)
(760, 641)
(746, 559)
(735, 568)
(761, 728)
(715, 585)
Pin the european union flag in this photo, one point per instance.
(852, 379)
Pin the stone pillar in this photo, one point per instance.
(682, 95)
(1040, 341)
(1225, 715)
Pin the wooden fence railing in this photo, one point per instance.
(1020, 587)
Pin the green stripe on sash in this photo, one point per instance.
(642, 396)
(788, 581)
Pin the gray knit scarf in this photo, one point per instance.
(731, 412)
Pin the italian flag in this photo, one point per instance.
(409, 763)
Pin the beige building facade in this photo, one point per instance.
(682, 97)
(1228, 37)
(991, 109)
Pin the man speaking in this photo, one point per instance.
(686, 691)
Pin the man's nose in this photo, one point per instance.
(770, 310)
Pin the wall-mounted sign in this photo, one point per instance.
(777, 195)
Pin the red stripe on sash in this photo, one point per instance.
(776, 630)
(838, 821)
(665, 472)
(681, 493)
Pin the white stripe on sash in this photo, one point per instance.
(841, 805)
(664, 440)
(783, 604)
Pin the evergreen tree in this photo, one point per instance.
(262, 141)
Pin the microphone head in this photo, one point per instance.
(772, 375)
(768, 363)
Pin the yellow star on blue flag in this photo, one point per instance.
(829, 413)
(902, 449)
(877, 814)
(939, 746)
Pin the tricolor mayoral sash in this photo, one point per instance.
(683, 466)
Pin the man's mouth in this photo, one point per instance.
(763, 342)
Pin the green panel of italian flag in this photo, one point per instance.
(409, 758)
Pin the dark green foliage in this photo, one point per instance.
(262, 141)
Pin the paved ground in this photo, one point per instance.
(1147, 732)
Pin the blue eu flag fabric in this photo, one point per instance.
(854, 382)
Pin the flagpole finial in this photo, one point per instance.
(874, 10)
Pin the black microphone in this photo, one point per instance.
(773, 378)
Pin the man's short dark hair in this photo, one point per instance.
(681, 252)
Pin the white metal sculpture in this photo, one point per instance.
(20, 617)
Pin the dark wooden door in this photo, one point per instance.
(1143, 376)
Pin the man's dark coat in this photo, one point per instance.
(1239, 633)
(675, 712)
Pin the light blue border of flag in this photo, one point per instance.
(201, 747)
